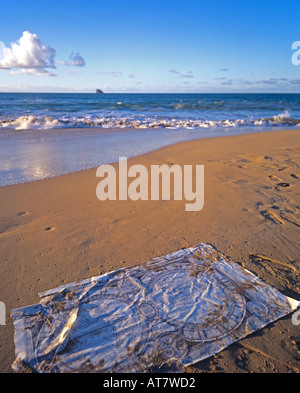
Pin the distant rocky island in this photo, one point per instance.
(98, 91)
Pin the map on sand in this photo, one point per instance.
(164, 314)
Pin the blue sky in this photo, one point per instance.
(149, 46)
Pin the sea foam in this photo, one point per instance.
(49, 122)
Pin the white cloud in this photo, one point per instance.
(70, 71)
(188, 74)
(2, 46)
(75, 60)
(245, 82)
(112, 73)
(269, 81)
(295, 81)
(273, 81)
(28, 56)
(229, 82)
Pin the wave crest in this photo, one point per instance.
(26, 122)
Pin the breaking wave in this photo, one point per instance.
(26, 122)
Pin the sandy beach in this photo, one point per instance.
(55, 231)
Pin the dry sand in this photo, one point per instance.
(56, 231)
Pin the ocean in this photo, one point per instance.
(44, 135)
(190, 111)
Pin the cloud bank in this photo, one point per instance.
(28, 56)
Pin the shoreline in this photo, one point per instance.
(50, 164)
(55, 231)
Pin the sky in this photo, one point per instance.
(162, 46)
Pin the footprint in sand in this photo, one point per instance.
(295, 176)
(283, 168)
(275, 178)
(21, 214)
(271, 216)
(49, 229)
(262, 159)
(283, 184)
(290, 218)
(262, 258)
(295, 149)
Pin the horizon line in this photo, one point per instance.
(74, 92)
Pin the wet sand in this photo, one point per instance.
(55, 231)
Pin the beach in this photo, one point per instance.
(55, 231)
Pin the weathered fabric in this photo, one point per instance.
(163, 314)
